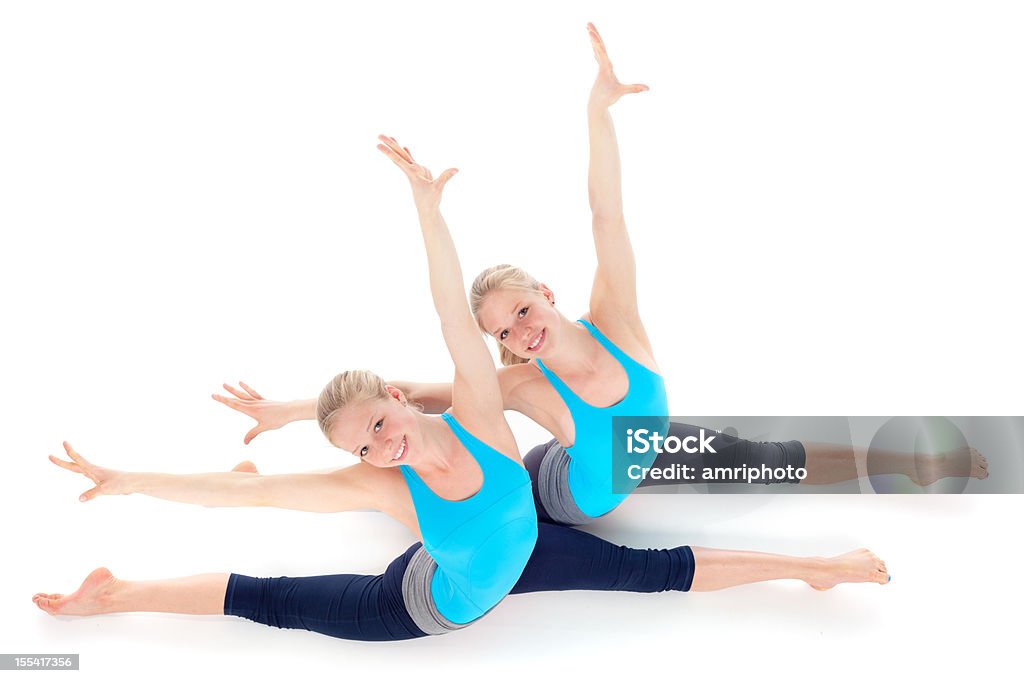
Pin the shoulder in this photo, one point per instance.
(387, 492)
(627, 333)
(360, 487)
(373, 482)
(525, 390)
(511, 379)
(493, 433)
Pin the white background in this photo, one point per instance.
(190, 194)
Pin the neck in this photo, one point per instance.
(577, 351)
(437, 448)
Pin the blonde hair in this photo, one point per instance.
(351, 386)
(502, 276)
(345, 389)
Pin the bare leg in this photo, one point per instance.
(717, 569)
(714, 569)
(828, 463)
(102, 593)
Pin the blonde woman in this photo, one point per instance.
(455, 480)
(572, 377)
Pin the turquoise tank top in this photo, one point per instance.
(590, 457)
(481, 544)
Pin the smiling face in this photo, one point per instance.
(380, 432)
(523, 321)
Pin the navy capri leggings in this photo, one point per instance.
(360, 607)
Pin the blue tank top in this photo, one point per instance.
(481, 544)
(590, 457)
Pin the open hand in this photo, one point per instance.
(269, 415)
(426, 190)
(607, 90)
(108, 482)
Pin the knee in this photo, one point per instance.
(687, 566)
(782, 455)
(656, 571)
(252, 598)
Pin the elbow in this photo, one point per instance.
(254, 491)
(605, 210)
(457, 321)
(608, 221)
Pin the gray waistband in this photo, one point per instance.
(419, 601)
(553, 487)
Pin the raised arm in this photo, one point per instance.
(614, 292)
(476, 395)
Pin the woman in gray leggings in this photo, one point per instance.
(520, 313)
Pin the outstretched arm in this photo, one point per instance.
(614, 291)
(337, 491)
(269, 415)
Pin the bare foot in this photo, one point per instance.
(856, 566)
(92, 597)
(246, 466)
(931, 468)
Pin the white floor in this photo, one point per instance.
(955, 588)
(820, 197)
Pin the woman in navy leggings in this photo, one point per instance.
(373, 607)
(359, 607)
(364, 607)
(387, 434)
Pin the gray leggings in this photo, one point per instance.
(731, 452)
(548, 467)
